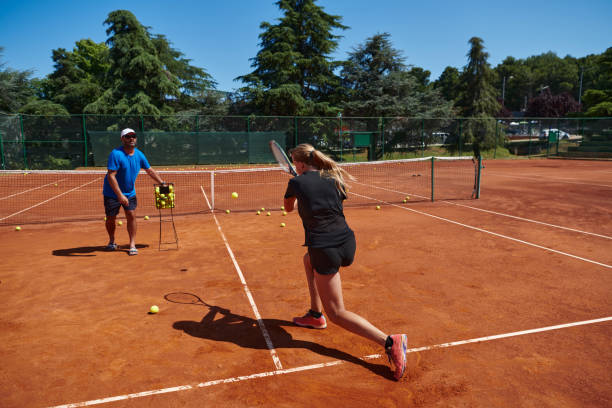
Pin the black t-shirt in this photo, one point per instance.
(320, 207)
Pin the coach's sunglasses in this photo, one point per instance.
(130, 136)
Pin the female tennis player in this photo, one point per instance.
(320, 190)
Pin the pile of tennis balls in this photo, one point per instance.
(163, 200)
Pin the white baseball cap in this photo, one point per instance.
(127, 131)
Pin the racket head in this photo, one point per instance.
(185, 298)
(281, 157)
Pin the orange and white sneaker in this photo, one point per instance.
(397, 354)
(308, 320)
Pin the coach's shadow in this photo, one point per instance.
(220, 324)
(90, 250)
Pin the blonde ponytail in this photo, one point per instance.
(305, 153)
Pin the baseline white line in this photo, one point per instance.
(323, 365)
(487, 232)
(554, 180)
(32, 189)
(46, 201)
(262, 326)
(529, 220)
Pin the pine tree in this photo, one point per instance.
(293, 71)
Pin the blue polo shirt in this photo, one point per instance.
(127, 168)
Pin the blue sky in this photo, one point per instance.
(221, 36)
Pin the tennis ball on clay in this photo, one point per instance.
(405, 200)
(104, 218)
(378, 207)
(227, 211)
(282, 224)
(263, 209)
(283, 208)
(407, 197)
(268, 214)
(146, 217)
(154, 309)
(17, 228)
(120, 223)
(234, 195)
(284, 212)
(258, 212)
(55, 184)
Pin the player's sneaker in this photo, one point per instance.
(397, 354)
(111, 246)
(308, 320)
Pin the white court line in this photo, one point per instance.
(46, 201)
(321, 365)
(32, 189)
(543, 178)
(487, 232)
(529, 220)
(262, 326)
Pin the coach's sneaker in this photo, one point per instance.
(397, 354)
(308, 320)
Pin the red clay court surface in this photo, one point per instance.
(506, 301)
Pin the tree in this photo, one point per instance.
(79, 77)
(146, 75)
(293, 73)
(377, 83)
(478, 99)
(546, 105)
(597, 80)
(15, 88)
(448, 84)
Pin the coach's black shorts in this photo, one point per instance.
(327, 261)
(111, 205)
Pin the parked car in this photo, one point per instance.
(561, 134)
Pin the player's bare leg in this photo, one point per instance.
(315, 299)
(131, 227)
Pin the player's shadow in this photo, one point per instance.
(220, 324)
(91, 250)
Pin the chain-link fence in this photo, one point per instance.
(68, 142)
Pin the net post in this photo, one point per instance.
(212, 191)
(478, 177)
(382, 136)
(423, 139)
(460, 131)
(496, 137)
(432, 177)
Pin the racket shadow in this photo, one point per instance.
(220, 324)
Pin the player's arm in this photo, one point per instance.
(153, 174)
(112, 182)
(289, 204)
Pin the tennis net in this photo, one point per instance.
(48, 196)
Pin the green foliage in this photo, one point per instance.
(293, 73)
(448, 84)
(43, 108)
(376, 83)
(15, 88)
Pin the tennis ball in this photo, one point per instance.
(120, 223)
(146, 217)
(263, 209)
(234, 195)
(268, 214)
(154, 309)
(282, 224)
(227, 211)
(407, 197)
(17, 228)
(405, 200)
(258, 212)
(378, 207)
(55, 184)
(104, 218)
(283, 208)
(284, 212)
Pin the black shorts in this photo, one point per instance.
(327, 261)
(111, 205)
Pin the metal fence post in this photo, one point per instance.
(433, 159)
(423, 138)
(460, 131)
(23, 143)
(85, 139)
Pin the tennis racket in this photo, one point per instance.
(281, 158)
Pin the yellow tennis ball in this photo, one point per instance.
(263, 209)
(405, 200)
(55, 184)
(282, 208)
(146, 217)
(282, 224)
(258, 212)
(17, 228)
(154, 309)
(268, 214)
(234, 195)
(378, 207)
(407, 197)
(284, 212)
(227, 211)
(104, 218)
(120, 223)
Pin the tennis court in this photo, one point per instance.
(505, 299)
